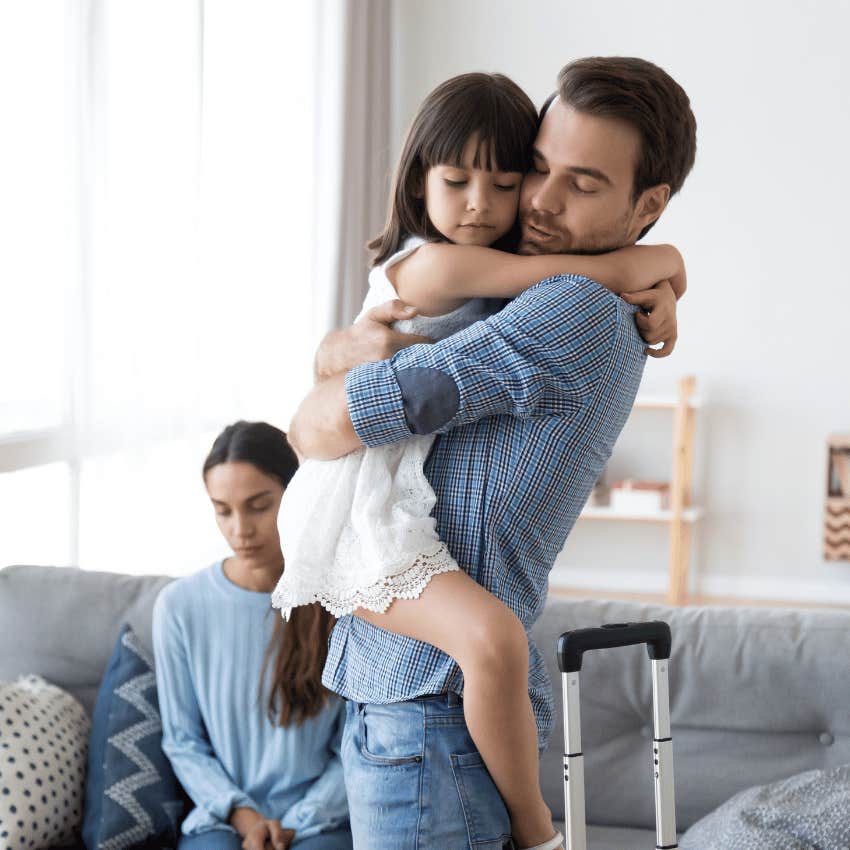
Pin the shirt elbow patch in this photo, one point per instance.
(431, 398)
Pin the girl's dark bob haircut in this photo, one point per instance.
(492, 108)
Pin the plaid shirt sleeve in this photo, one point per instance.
(542, 354)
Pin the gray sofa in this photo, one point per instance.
(756, 694)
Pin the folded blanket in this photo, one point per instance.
(810, 811)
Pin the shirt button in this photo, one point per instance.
(826, 739)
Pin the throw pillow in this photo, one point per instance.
(132, 796)
(806, 811)
(43, 739)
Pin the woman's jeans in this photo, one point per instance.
(415, 780)
(220, 839)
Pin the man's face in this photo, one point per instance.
(578, 196)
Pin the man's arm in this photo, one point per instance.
(543, 354)
(322, 427)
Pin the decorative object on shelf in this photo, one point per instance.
(680, 514)
(837, 518)
(631, 496)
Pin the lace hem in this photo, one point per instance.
(377, 597)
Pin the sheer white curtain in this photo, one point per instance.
(353, 129)
(207, 174)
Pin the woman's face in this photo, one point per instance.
(246, 503)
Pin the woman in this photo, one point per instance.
(251, 733)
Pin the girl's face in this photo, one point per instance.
(246, 503)
(469, 205)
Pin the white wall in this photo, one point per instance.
(762, 223)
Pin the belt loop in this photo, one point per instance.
(453, 699)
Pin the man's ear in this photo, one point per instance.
(651, 204)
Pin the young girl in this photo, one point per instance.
(357, 533)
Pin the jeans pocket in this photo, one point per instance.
(385, 741)
(487, 820)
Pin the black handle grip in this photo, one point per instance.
(573, 644)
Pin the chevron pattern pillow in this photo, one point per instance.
(132, 798)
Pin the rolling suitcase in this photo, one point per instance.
(571, 647)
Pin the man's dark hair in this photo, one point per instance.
(648, 98)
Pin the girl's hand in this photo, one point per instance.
(656, 320)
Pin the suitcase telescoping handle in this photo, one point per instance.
(571, 648)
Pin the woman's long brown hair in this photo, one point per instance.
(296, 653)
(296, 657)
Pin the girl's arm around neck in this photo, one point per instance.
(438, 278)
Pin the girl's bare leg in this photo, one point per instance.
(489, 644)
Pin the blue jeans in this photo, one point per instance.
(221, 839)
(415, 780)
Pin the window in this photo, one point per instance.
(157, 282)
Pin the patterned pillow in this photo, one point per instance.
(43, 739)
(132, 796)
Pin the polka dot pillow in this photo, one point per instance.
(43, 742)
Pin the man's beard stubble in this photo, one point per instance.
(610, 239)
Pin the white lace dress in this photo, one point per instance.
(357, 532)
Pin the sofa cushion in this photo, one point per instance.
(43, 740)
(62, 622)
(132, 795)
(811, 809)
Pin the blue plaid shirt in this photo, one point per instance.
(543, 389)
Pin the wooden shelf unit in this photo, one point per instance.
(682, 513)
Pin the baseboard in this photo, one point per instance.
(779, 588)
(614, 580)
(775, 587)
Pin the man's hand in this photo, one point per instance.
(258, 833)
(656, 320)
(365, 341)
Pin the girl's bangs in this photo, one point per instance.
(502, 145)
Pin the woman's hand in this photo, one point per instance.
(268, 833)
(656, 320)
(259, 833)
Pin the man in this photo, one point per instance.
(528, 411)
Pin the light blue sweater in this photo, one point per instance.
(209, 638)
